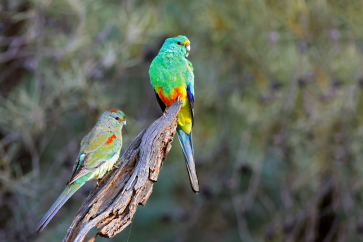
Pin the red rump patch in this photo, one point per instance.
(109, 141)
(113, 111)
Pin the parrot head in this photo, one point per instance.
(179, 44)
(114, 118)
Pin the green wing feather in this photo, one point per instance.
(96, 149)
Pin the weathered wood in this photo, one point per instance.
(112, 204)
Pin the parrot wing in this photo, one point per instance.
(190, 91)
(100, 148)
(190, 88)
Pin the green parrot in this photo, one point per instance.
(171, 76)
(100, 150)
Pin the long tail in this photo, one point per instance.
(66, 194)
(187, 146)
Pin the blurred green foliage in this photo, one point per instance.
(278, 132)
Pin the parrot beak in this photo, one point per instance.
(124, 122)
(188, 48)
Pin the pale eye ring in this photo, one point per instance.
(117, 118)
(179, 43)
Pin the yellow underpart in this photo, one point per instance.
(185, 118)
(187, 42)
(105, 167)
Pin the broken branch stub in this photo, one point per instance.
(112, 204)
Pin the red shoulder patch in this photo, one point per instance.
(113, 111)
(110, 139)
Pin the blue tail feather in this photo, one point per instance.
(66, 194)
(188, 151)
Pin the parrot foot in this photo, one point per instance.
(115, 166)
(165, 111)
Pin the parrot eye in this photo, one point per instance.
(117, 118)
(179, 43)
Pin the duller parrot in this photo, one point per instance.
(100, 150)
(171, 76)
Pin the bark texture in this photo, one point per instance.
(112, 204)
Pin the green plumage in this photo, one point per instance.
(99, 151)
(171, 76)
(168, 72)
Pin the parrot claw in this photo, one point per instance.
(115, 166)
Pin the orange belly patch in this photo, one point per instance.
(168, 101)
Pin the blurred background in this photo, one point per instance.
(278, 114)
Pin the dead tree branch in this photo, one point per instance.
(112, 204)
